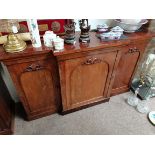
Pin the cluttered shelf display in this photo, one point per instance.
(51, 37)
(64, 49)
(106, 33)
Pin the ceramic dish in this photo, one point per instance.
(131, 21)
(130, 28)
(48, 38)
(110, 36)
(102, 28)
(117, 29)
(58, 43)
(151, 117)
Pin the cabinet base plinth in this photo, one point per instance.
(40, 115)
(6, 132)
(84, 107)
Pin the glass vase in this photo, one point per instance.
(143, 106)
(132, 99)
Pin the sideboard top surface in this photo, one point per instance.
(95, 43)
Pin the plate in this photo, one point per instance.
(151, 117)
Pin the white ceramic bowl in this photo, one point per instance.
(131, 21)
(130, 28)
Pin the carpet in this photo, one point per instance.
(115, 117)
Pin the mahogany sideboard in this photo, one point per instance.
(79, 76)
(6, 110)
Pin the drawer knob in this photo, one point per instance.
(91, 61)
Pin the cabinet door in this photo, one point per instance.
(85, 80)
(130, 56)
(37, 87)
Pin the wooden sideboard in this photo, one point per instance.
(77, 77)
(6, 110)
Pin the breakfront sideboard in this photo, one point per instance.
(77, 77)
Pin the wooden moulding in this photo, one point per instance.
(84, 107)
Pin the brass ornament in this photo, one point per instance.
(14, 44)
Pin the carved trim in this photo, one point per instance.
(33, 67)
(132, 50)
(91, 61)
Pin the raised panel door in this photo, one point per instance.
(37, 87)
(127, 65)
(86, 79)
(41, 83)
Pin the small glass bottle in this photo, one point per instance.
(133, 99)
(143, 106)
